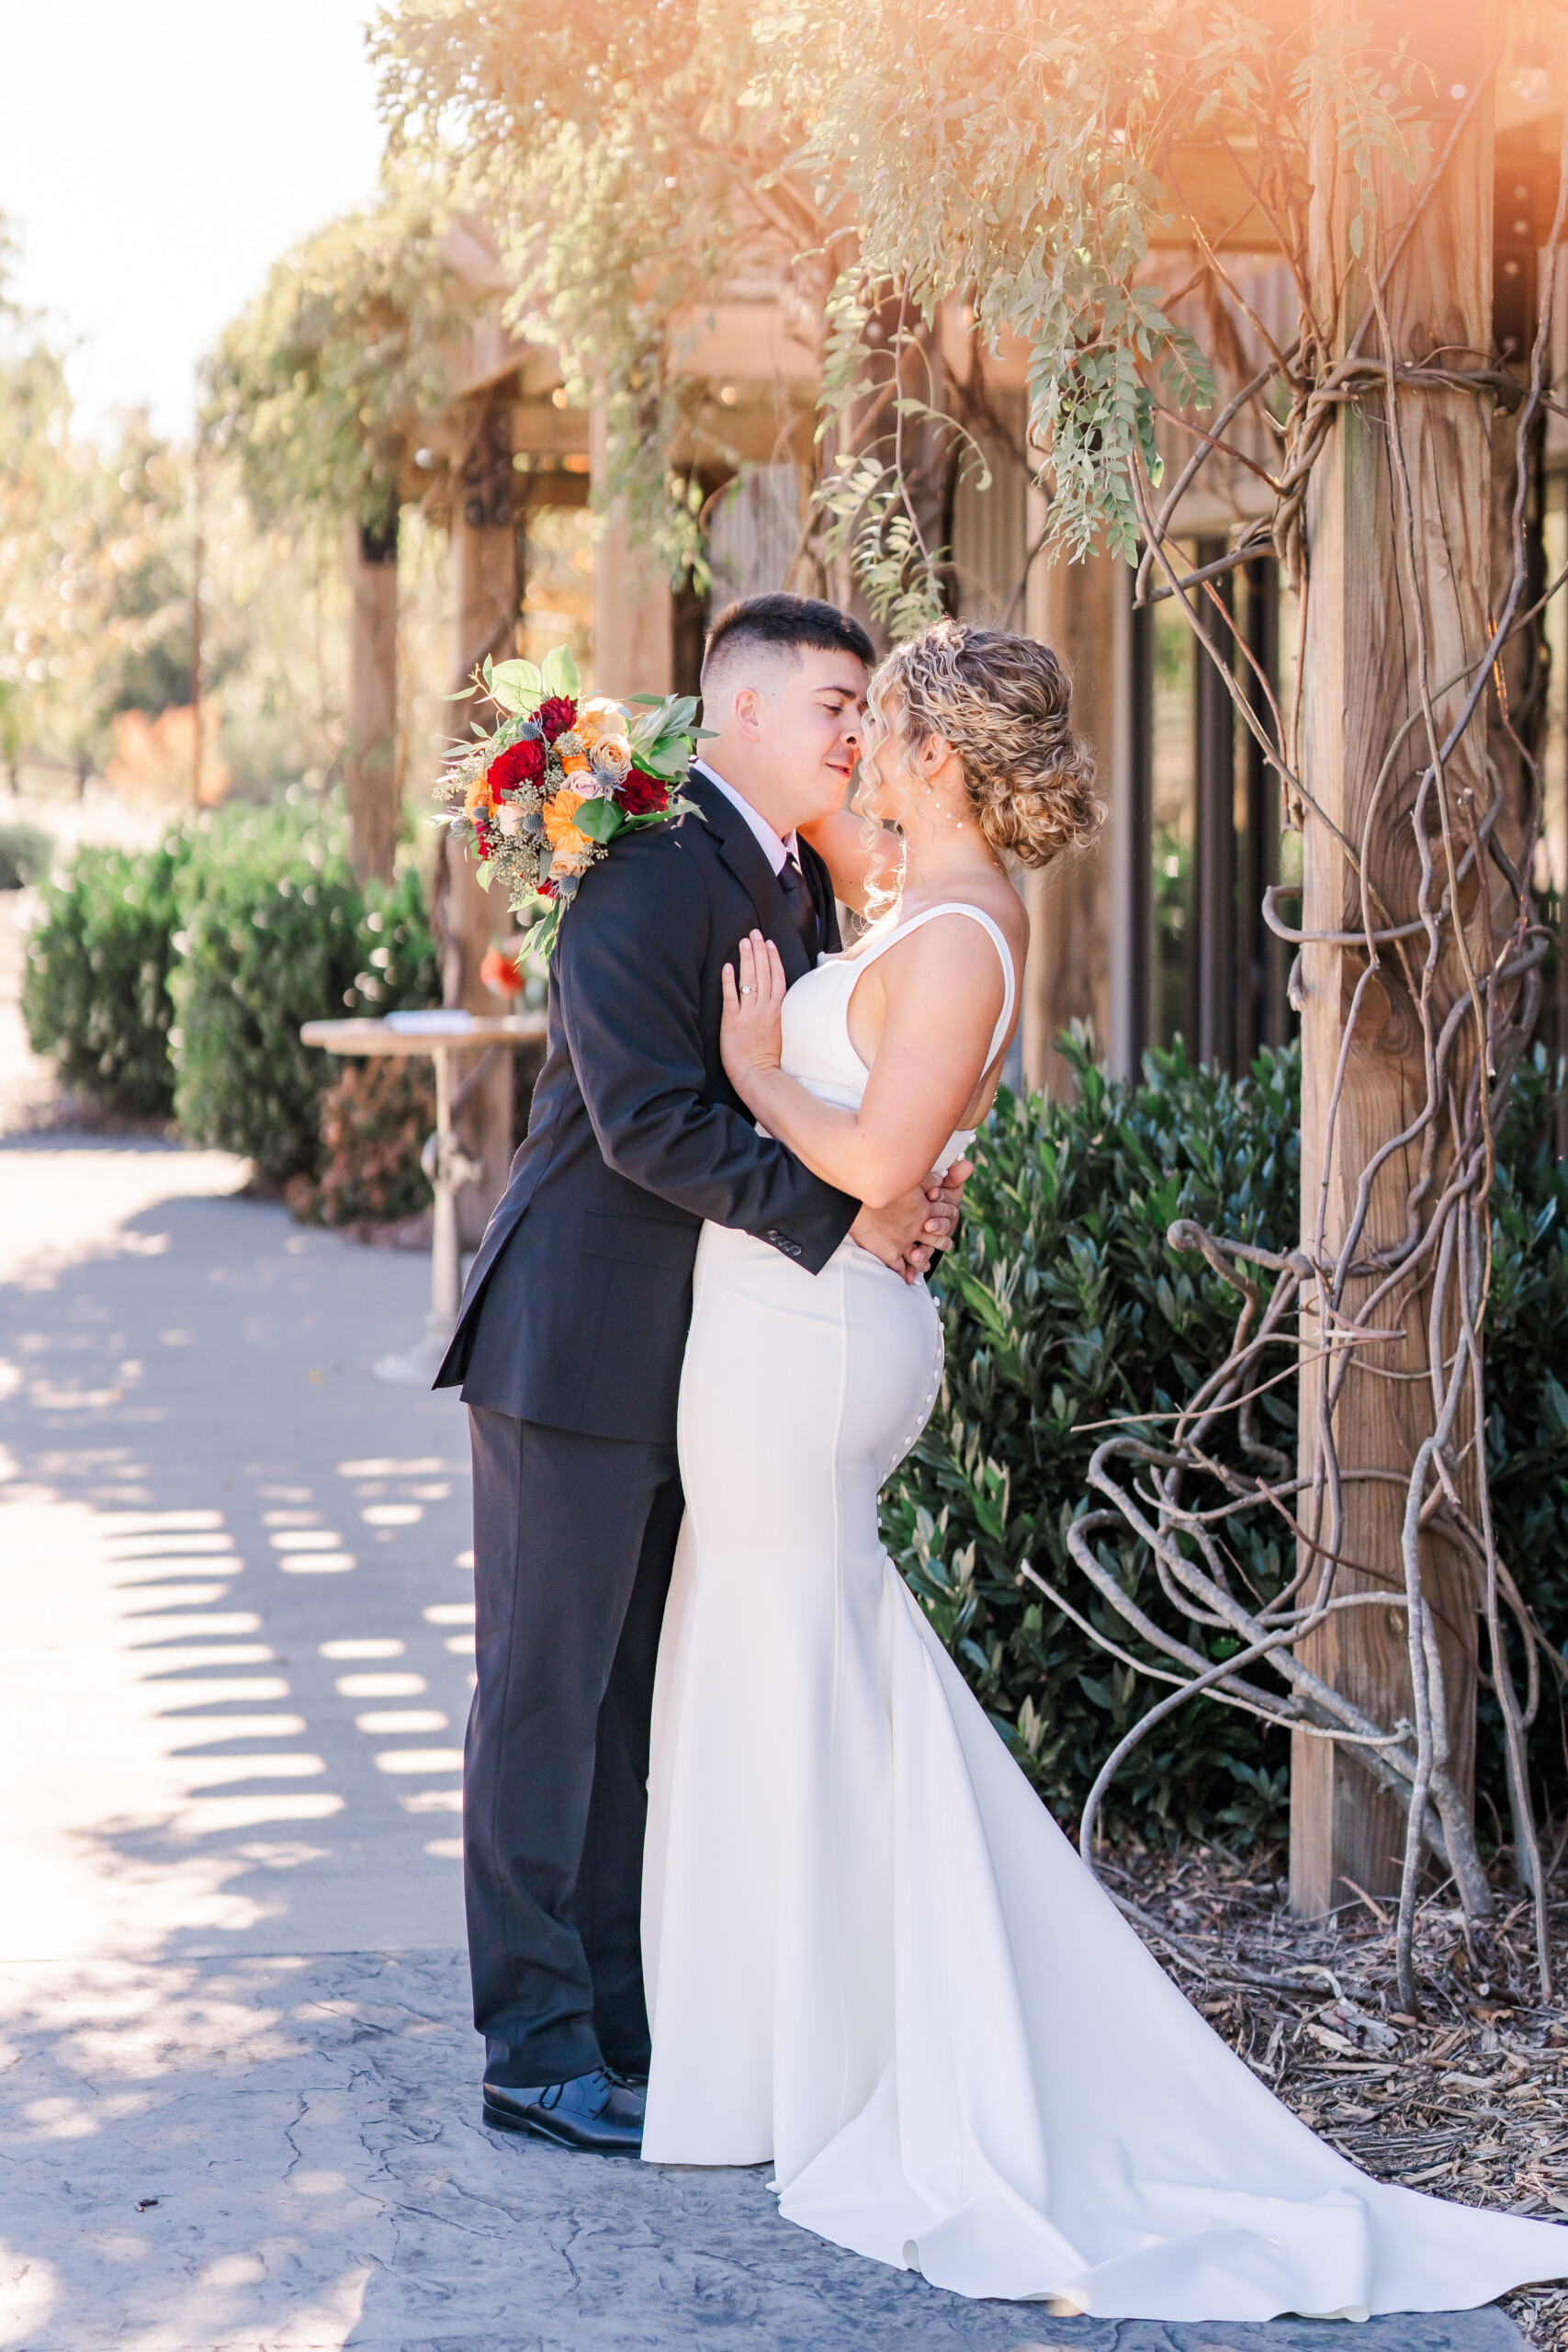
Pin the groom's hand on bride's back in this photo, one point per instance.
(908, 1232)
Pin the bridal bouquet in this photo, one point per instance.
(541, 797)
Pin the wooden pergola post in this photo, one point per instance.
(633, 636)
(371, 769)
(1360, 677)
(1077, 609)
(484, 607)
(1211, 972)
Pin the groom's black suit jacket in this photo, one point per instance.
(577, 1307)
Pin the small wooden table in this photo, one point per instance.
(449, 1167)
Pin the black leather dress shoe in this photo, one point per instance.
(596, 2112)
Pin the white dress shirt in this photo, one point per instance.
(775, 851)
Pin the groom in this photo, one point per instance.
(570, 1344)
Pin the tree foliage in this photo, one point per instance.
(638, 165)
(1018, 156)
(1022, 158)
(323, 382)
(95, 558)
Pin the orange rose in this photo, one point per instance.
(480, 796)
(559, 831)
(598, 718)
(575, 763)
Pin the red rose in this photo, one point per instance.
(524, 764)
(643, 796)
(554, 716)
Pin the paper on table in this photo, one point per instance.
(410, 1024)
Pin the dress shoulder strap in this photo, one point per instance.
(998, 941)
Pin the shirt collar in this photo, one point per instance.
(775, 851)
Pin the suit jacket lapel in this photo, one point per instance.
(743, 853)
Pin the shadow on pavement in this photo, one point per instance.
(239, 2085)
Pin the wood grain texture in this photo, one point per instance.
(1360, 684)
(633, 610)
(1073, 608)
(484, 600)
(370, 771)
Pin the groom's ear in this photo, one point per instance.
(747, 707)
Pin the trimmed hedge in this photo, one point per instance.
(179, 979)
(275, 932)
(26, 855)
(94, 993)
(1063, 1304)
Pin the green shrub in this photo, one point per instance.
(273, 932)
(94, 993)
(1527, 1433)
(25, 855)
(1064, 1304)
(374, 1118)
(180, 979)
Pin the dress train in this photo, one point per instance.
(872, 1957)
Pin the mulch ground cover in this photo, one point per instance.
(1468, 2099)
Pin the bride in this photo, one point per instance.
(871, 1957)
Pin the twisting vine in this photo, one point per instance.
(1116, 384)
(891, 163)
(1444, 1252)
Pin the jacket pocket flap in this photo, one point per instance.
(639, 1240)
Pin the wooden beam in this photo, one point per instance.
(544, 429)
(752, 341)
(1361, 682)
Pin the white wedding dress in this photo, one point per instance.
(871, 1957)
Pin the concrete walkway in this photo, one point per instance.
(237, 2082)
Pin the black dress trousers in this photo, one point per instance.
(574, 1538)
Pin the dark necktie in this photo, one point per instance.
(803, 914)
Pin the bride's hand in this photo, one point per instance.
(750, 1029)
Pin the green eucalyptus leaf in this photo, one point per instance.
(646, 727)
(559, 675)
(667, 761)
(516, 686)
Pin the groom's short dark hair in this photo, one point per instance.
(785, 623)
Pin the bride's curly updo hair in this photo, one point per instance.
(1004, 704)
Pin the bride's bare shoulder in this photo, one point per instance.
(952, 930)
(943, 972)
